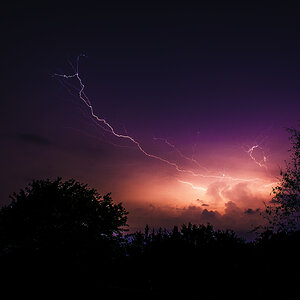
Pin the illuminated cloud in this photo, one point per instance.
(235, 218)
(162, 124)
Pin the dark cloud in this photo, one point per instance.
(209, 216)
(33, 139)
(251, 211)
(231, 208)
(205, 204)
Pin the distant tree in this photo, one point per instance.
(56, 213)
(198, 235)
(283, 211)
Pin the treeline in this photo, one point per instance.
(193, 262)
(61, 238)
(198, 262)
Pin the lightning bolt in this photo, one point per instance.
(261, 163)
(181, 154)
(105, 125)
(109, 127)
(198, 188)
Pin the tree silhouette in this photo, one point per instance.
(60, 236)
(65, 209)
(60, 230)
(283, 212)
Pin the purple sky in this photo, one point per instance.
(211, 81)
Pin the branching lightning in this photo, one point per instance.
(109, 127)
(105, 125)
(180, 153)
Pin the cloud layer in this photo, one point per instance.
(241, 211)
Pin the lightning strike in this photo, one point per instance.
(181, 154)
(199, 188)
(262, 162)
(105, 125)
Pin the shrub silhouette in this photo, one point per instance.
(199, 262)
(283, 212)
(57, 234)
(56, 209)
(59, 230)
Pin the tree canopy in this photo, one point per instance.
(57, 212)
(63, 236)
(283, 211)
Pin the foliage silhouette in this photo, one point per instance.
(283, 212)
(199, 262)
(68, 209)
(62, 236)
(61, 230)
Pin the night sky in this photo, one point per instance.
(208, 87)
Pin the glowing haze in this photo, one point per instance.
(205, 186)
(179, 110)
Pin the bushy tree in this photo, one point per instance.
(57, 213)
(283, 212)
(59, 236)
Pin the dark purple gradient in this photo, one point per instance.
(213, 79)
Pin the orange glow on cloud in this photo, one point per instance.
(223, 184)
(160, 198)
